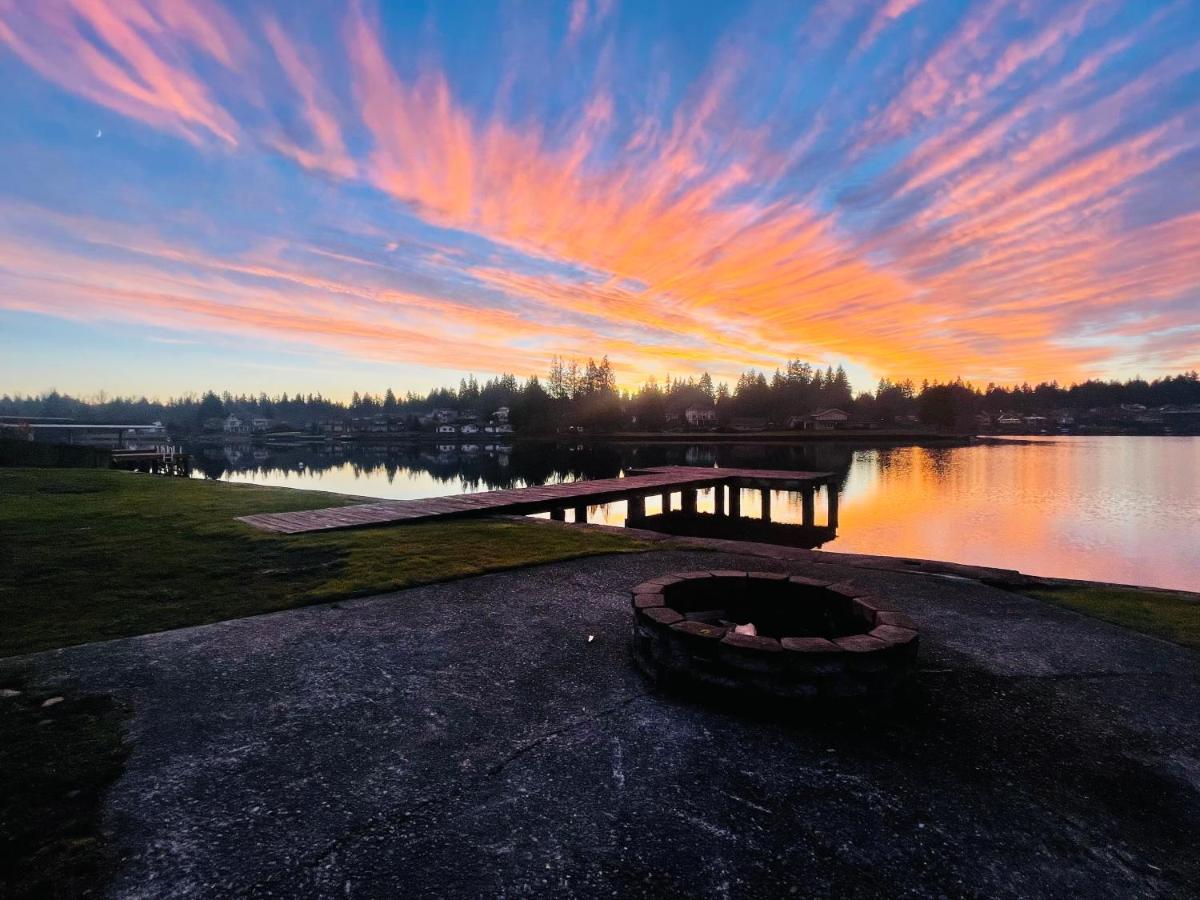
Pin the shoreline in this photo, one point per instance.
(1009, 579)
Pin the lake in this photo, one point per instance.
(1123, 509)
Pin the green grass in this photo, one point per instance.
(92, 555)
(1175, 617)
(56, 764)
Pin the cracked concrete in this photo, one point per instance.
(467, 739)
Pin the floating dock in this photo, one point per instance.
(556, 499)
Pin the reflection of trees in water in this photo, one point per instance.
(471, 467)
(901, 463)
(476, 467)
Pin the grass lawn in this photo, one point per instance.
(57, 761)
(89, 555)
(1175, 617)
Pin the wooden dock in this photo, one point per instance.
(161, 461)
(556, 498)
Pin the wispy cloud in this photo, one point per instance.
(966, 198)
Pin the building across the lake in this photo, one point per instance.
(821, 420)
(700, 415)
(115, 436)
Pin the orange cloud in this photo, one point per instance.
(136, 65)
(680, 247)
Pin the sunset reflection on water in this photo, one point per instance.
(1122, 509)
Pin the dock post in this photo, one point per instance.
(581, 514)
(637, 508)
(719, 499)
(559, 514)
(832, 497)
(766, 504)
(807, 512)
(687, 500)
(735, 501)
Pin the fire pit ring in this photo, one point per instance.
(769, 634)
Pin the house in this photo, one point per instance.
(1010, 420)
(443, 415)
(447, 429)
(825, 419)
(260, 425)
(234, 425)
(501, 414)
(700, 415)
(501, 428)
(334, 426)
(469, 428)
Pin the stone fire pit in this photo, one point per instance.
(769, 634)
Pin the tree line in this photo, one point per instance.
(586, 395)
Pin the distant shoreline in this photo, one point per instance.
(756, 437)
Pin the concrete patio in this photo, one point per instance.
(468, 739)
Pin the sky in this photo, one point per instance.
(332, 197)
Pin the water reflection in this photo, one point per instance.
(739, 528)
(1123, 509)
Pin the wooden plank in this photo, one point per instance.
(532, 499)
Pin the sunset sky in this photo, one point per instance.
(327, 197)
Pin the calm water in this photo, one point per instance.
(1123, 509)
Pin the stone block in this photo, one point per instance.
(809, 645)
(891, 617)
(805, 581)
(646, 601)
(699, 630)
(866, 609)
(893, 634)
(768, 576)
(860, 643)
(663, 615)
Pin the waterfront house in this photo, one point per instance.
(447, 428)
(233, 425)
(1010, 420)
(260, 425)
(501, 414)
(825, 419)
(700, 415)
(469, 428)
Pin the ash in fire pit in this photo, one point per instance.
(771, 634)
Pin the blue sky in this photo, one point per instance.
(328, 197)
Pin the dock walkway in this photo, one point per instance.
(553, 498)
